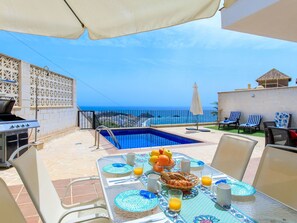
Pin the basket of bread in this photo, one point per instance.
(179, 180)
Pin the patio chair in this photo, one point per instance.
(276, 175)
(281, 120)
(9, 210)
(233, 154)
(232, 120)
(282, 136)
(44, 196)
(252, 124)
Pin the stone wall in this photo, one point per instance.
(56, 95)
(259, 101)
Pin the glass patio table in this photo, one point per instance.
(199, 205)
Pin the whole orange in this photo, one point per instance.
(157, 167)
(171, 162)
(163, 160)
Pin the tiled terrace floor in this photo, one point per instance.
(74, 155)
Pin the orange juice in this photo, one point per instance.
(174, 204)
(206, 180)
(138, 171)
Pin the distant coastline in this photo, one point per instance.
(142, 116)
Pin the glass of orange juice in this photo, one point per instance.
(175, 197)
(138, 169)
(206, 179)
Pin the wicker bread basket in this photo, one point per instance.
(193, 179)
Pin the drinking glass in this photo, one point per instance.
(138, 169)
(175, 200)
(206, 178)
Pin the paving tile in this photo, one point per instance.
(67, 200)
(61, 183)
(24, 198)
(84, 198)
(83, 189)
(87, 182)
(28, 210)
(15, 189)
(34, 219)
(61, 192)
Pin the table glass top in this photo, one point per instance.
(198, 208)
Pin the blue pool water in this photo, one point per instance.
(145, 137)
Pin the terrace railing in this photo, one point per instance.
(124, 118)
(86, 119)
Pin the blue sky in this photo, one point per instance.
(157, 68)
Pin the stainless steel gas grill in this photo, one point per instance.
(13, 131)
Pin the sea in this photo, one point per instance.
(158, 115)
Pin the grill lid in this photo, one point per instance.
(6, 105)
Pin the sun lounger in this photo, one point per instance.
(252, 124)
(232, 120)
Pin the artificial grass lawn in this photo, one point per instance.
(232, 130)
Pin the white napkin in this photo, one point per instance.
(160, 216)
(220, 176)
(121, 180)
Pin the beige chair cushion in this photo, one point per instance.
(9, 210)
(233, 154)
(277, 174)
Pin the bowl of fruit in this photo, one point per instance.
(161, 160)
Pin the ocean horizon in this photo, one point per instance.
(149, 115)
(100, 108)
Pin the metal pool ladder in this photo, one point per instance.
(97, 136)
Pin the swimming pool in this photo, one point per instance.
(145, 137)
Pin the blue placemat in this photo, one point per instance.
(118, 168)
(136, 200)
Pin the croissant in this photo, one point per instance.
(180, 183)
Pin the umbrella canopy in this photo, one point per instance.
(196, 107)
(102, 18)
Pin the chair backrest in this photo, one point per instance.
(254, 119)
(276, 175)
(282, 119)
(281, 136)
(234, 115)
(233, 154)
(9, 210)
(38, 184)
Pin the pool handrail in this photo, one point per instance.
(109, 131)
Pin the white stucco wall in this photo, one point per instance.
(259, 101)
(51, 119)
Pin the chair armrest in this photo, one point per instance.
(13, 155)
(83, 208)
(77, 181)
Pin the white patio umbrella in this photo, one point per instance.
(196, 107)
(101, 18)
